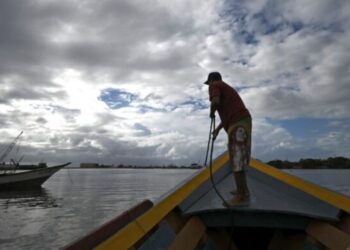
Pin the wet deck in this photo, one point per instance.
(270, 199)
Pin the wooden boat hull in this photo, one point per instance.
(29, 179)
(286, 212)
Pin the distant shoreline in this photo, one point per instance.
(329, 163)
(136, 167)
(90, 165)
(189, 168)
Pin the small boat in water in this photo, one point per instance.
(285, 212)
(16, 166)
(11, 178)
(27, 179)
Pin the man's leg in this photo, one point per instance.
(241, 176)
(241, 196)
(239, 151)
(239, 189)
(248, 145)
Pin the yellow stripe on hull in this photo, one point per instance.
(336, 199)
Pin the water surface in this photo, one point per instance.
(75, 201)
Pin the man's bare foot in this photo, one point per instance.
(237, 201)
(235, 192)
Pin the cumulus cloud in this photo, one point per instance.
(121, 81)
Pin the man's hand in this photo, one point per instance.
(216, 131)
(214, 105)
(215, 134)
(212, 114)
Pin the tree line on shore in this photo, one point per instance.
(171, 166)
(329, 163)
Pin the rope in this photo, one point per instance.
(212, 128)
(206, 155)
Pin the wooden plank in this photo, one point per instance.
(314, 243)
(144, 238)
(189, 236)
(295, 241)
(222, 239)
(202, 242)
(130, 234)
(287, 242)
(336, 199)
(175, 220)
(96, 236)
(328, 235)
(160, 239)
(344, 225)
(277, 241)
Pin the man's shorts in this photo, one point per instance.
(239, 144)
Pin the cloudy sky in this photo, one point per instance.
(121, 81)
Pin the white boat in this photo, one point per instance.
(28, 179)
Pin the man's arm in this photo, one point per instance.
(214, 105)
(217, 131)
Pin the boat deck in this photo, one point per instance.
(336, 180)
(270, 199)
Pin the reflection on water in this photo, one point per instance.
(38, 197)
(74, 202)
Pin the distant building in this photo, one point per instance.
(89, 165)
(195, 165)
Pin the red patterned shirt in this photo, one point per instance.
(232, 108)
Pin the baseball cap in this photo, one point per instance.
(213, 76)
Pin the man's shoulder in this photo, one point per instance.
(224, 84)
(227, 86)
(218, 84)
(221, 86)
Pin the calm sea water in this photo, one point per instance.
(75, 201)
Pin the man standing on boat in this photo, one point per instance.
(237, 122)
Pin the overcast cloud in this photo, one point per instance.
(121, 81)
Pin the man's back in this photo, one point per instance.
(231, 107)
